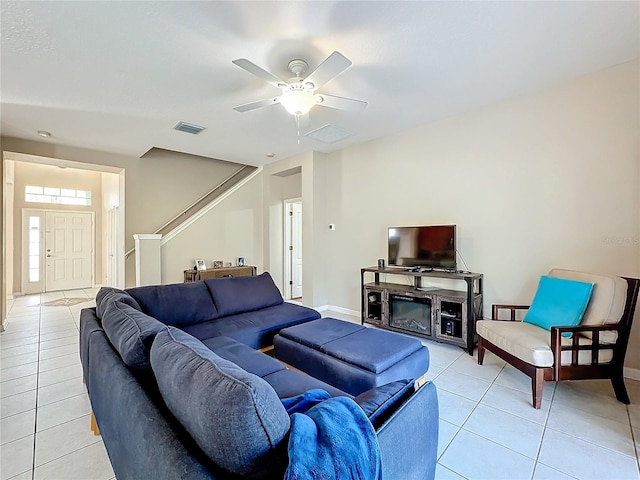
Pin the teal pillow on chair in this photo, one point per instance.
(559, 302)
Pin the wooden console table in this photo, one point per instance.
(196, 275)
(440, 314)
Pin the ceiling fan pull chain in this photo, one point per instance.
(298, 127)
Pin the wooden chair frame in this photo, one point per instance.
(612, 370)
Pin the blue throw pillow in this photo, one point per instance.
(176, 304)
(107, 295)
(559, 303)
(243, 294)
(234, 416)
(131, 333)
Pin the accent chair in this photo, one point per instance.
(566, 338)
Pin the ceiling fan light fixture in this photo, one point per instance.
(298, 102)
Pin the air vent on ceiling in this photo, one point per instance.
(328, 134)
(189, 128)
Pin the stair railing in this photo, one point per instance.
(207, 198)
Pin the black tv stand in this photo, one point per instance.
(439, 314)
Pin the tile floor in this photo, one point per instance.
(44, 408)
(488, 429)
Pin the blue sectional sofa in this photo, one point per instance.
(179, 390)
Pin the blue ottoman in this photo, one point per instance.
(350, 357)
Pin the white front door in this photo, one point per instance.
(68, 250)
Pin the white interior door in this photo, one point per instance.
(296, 253)
(292, 249)
(68, 250)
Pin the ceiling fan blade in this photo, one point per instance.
(260, 103)
(341, 103)
(334, 65)
(259, 72)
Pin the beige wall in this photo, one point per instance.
(232, 229)
(50, 176)
(544, 180)
(158, 186)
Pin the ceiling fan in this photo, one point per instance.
(299, 93)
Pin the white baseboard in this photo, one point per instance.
(333, 308)
(631, 373)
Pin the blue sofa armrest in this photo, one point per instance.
(89, 324)
(409, 438)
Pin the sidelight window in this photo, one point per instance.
(34, 249)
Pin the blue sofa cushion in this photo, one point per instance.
(109, 294)
(255, 329)
(243, 294)
(234, 416)
(381, 402)
(177, 304)
(245, 357)
(290, 382)
(131, 333)
(371, 349)
(558, 302)
(322, 331)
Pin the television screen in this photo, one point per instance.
(429, 246)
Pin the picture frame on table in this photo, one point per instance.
(200, 265)
(241, 262)
(218, 264)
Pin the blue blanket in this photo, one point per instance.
(330, 439)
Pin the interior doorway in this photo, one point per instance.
(293, 248)
(106, 238)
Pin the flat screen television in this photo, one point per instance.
(428, 246)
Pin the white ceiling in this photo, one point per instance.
(117, 76)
